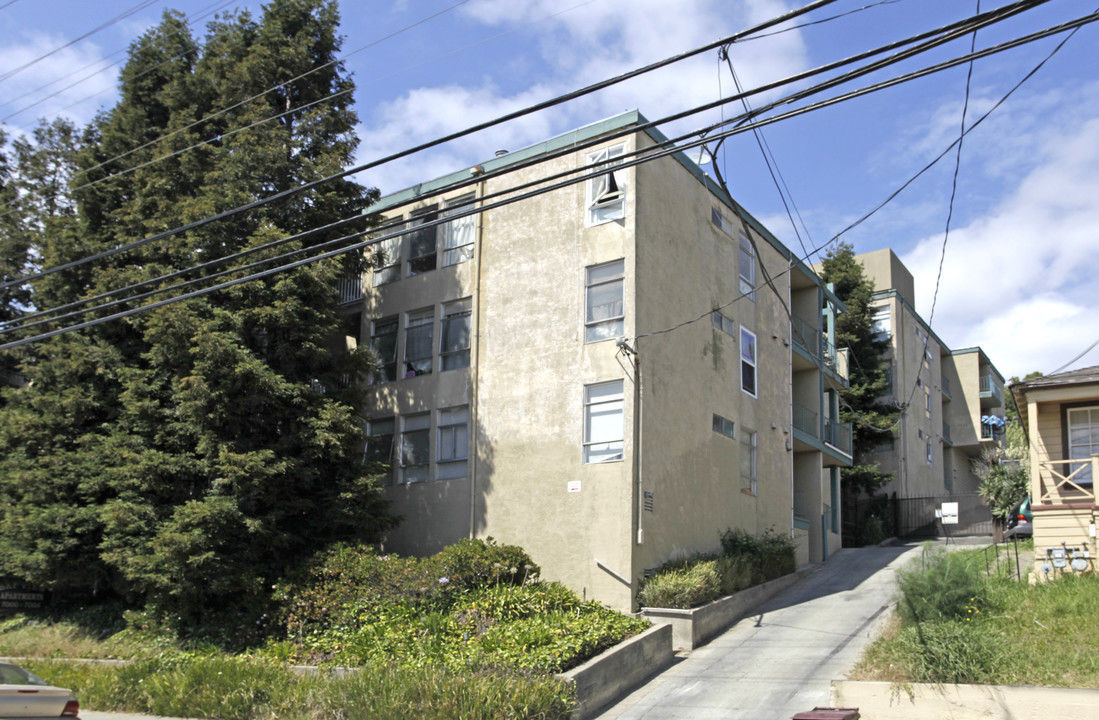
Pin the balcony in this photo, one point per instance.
(991, 390)
(350, 288)
(806, 421)
(838, 435)
(946, 387)
(805, 336)
(946, 435)
(835, 360)
(1067, 482)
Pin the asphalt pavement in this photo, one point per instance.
(781, 660)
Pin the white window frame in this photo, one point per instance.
(418, 218)
(452, 443)
(749, 360)
(411, 469)
(603, 202)
(599, 278)
(458, 235)
(389, 369)
(387, 261)
(415, 366)
(602, 403)
(747, 260)
(1077, 448)
(881, 322)
(749, 461)
(455, 359)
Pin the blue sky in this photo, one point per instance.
(1020, 271)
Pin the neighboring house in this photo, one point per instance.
(610, 374)
(955, 397)
(1060, 414)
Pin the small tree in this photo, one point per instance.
(1005, 478)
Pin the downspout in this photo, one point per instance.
(639, 477)
(475, 361)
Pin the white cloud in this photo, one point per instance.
(577, 47)
(76, 65)
(1020, 281)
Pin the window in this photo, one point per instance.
(458, 234)
(723, 426)
(603, 314)
(721, 222)
(930, 452)
(418, 342)
(387, 261)
(422, 242)
(888, 371)
(748, 362)
(748, 461)
(603, 422)
(383, 339)
(454, 347)
(379, 445)
(747, 268)
(1083, 440)
(881, 323)
(606, 197)
(415, 448)
(927, 401)
(452, 444)
(723, 323)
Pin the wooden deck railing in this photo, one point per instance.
(1067, 481)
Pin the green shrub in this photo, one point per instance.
(683, 587)
(951, 652)
(476, 563)
(942, 586)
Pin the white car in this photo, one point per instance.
(25, 695)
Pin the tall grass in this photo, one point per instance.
(250, 689)
(955, 623)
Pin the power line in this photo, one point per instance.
(1085, 352)
(541, 190)
(117, 18)
(592, 142)
(190, 21)
(423, 146)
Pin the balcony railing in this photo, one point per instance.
(1067, 481)
(806, 420)
(350, 288)
(805, 335)
(801, 509)
(990, 388)
(838, 435)
(946, 387)
(836, 360)
(946, 434)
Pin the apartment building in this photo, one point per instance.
(955, 397)
(609, 374)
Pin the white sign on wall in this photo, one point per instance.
(574, 486)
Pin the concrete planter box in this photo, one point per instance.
(694, 627)
(919, 701)
(619, 670)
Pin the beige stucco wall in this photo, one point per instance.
(585, 524)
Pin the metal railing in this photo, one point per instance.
(1067, 481)
(836, 360)
(990, 388)
(946, 434)
(946, 387)
(350, 288)
(806, 420)
(805, 335)
(838, 435)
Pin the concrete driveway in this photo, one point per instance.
(782, 660)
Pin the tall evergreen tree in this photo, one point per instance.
(232, 435)
(872, 420)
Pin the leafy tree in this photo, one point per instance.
(861, 405)
(222, 437)
(1005, 478)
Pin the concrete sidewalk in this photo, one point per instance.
(782, 659)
